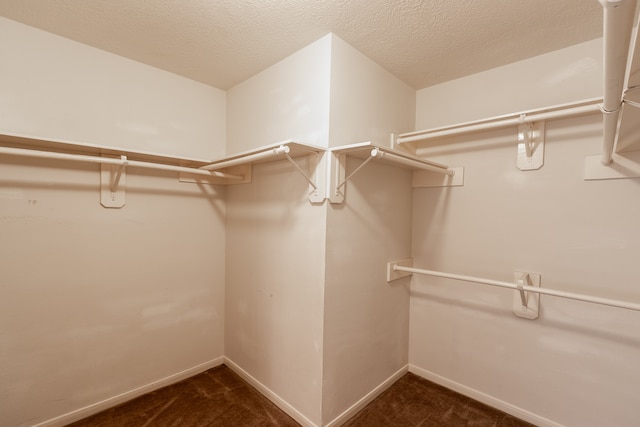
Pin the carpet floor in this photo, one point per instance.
(220, 398)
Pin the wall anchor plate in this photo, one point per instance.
(532, 299)
(112, 196)
(530, 146)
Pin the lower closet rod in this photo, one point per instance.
(545, 291)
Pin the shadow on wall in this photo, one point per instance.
(47, 174)
(278, 190)
(432, 203)
(589, 330)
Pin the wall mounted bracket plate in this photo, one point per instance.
(530, 146)
(526, 304)
(112, 185)
(395, 275)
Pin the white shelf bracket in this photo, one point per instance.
(112, 184)
(374, 154)
(530, 144)
(526, 304)
(317, 192)
(339, 181)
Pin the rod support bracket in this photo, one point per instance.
(530, 144)
(526, 304)
(392, 274)
(113, 184)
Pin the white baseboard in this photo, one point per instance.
(484, 398)
(273, 397)
(360, 404)
(92, 409)
(297, 415)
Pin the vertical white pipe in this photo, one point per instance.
(617, 27)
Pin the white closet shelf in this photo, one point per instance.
(241, 164)
(369, 151)
(233, 169)
(295, 149)
(264, 154)
(31, 142)
(426, 173)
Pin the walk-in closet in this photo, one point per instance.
(323, 223)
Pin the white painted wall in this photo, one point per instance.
(275, 286)
(577, 364)
(98, 302)
(52, 87)
(275, 237)
(367, 102)
(289, 100)
(565, 75)
(289, 291)
(365, 319)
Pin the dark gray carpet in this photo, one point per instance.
(220, 398)
(413, 401)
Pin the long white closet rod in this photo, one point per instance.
(283, 149)
(551, 113)
(527, 288)
(111, 161)
(618, 18)
(414, 163)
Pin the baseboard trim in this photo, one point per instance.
(269, 394)
(368, 398)
(484, 398)
(92, 409)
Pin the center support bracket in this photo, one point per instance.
(316, 177)
(526, 304)
(113, 184)
(530, 145)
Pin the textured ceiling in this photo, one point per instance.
(223, 42)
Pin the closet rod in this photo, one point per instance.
(575, 109)
(414, 163)
(111, 161)
(618, 18)
(283, 149)
(545, 291)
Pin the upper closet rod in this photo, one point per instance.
(581, 108)
(283, 149)
(111, 161)
(618, 18)
(527, 288)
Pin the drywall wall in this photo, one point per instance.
(365, 319)
(97, 305)
(576, 365)
(367, 102)
(281, 269)
(566, 75)
(289, 100)
(275, 238)
(98, 302)
(275, 287)
(54, 88)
